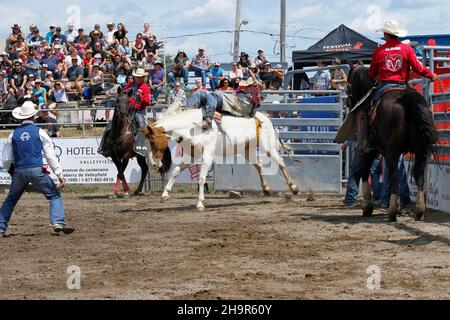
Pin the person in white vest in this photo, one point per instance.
(22, 157)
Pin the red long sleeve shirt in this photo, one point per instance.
(144, 101)
(393, 61)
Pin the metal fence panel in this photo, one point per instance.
(317, 173)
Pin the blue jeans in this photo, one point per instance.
(185, 73)
(207, 100)
(214, 84)
(377, 185)
(41, 182)
(356, 164)
(404, 191)
(199, 72)
(382, 87)
(155, 94)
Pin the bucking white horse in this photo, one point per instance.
(237, 136)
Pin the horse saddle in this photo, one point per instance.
(376, 103)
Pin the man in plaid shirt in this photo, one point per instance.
(200, 64)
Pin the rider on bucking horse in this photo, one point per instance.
(242, 104)
(391, 67)
(140, 98)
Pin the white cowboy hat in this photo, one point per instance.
(139, 73)
(393, 27)
(26, 111)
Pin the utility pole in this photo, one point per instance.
(237, 31)
(283, 31)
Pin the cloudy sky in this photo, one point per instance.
(307, 20)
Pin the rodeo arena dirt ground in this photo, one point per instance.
(248, 248)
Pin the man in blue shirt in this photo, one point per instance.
(60, 36)
(215, 76)
(51, 33)
(52, 62)
(22, 157)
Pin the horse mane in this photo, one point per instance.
(360, 82)
(166, 161)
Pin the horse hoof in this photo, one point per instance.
(138, 194)
(419, 216)
(113, 196)
(295, 190)
(368, 210)
(392, 217)
(200, 207)
(165, 199)
(126, 195)
(267, 192)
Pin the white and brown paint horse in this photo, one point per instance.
(243, 137)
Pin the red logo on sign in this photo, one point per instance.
(394, 62)
(358, 46)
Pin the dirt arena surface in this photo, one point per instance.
(250, 248)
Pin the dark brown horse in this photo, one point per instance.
(403, 124)
(122, 145)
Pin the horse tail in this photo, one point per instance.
(423, 117)
(166, 161)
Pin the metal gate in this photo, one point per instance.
(308, 125)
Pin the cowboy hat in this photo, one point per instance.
(139, 73)
(26, 111)
(394, 28)
(248, 82)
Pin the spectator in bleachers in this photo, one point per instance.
(58, 35)
(40, 50)
(87, 62)
(81, 46)
(98, 31)
(322, 78)
(266, 75)
(70, 34)
(60, 97)
(17, 80)
(215, 76)
(199, 86)
(75, 76)
(20, 47)
(5, 63)
(120, 34)
(39, 93)
(80, 35)
(3, 86)
(45, 75)
(96, 81)
(147, 33)
(151, 46)
(31, 34)
(244, 60)
(177, 94)
(124, 49)
(32, 65)
(62, 47)
(36, 39)
(109, 35)
(225, 85)
(112, 93)
(139, 47)
(100, 59)
(16, 32)
(236, 75)
(116, 63)
(97, 43)
(338, 77)
(201, 64)
(254, 71)
(47, 123)
(52, 62)
(51, 33)
(278, 77)
(129, 80)
(148, 62)
(180, 68)
(73, 54)
(260, 59)
(157, 80)
(122, 76)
